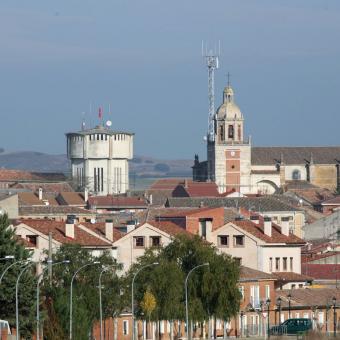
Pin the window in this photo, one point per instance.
(293, 286)
(101, 136)
(255, 296)
(223, 240)
(306, 315)
(267, 290)
(300, 285)
(139, 241)
(239, 241)
(284, 263)
(32, 239)
(291, 264)
(297, 315)
(155, 241)
(125, 327)
(230, 131)
(277, 264)
(296, 174)
(270, 264)
(203, 228)
(241, 289)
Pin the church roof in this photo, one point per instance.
(295, 155)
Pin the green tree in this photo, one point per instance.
(10, 245)
(213, 290)
(85, 292)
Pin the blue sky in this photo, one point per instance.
(144, 58)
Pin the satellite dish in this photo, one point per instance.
(108, 123)
(93, 220)
(205, 138)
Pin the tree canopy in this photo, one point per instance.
(11, 246)
(212, 289)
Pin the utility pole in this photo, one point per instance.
(49, 262)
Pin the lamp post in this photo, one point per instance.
(7, 257)
(100, 301)
(279, 300)
(241, 315)
(289, 296)
(327, 309)
(10, 266)
(268, 321)
(186, 297)
(27, 265)
(71, 290)
(334, 316)
(132, 296)
(39, 279)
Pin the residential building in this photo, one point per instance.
(9, 204)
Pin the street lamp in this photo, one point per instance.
(27, 265)
(100, 300)
(7, 257)
(71, 290)
(279, 300)
(186, 297)
(132, 296)
(334, 316)
(289, 296)
(39, 279)
(241, 315)
(11, 265)
(268, 322)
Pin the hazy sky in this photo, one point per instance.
(144, 57)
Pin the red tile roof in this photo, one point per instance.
(332, 201)
(99, 228)
(249, 274)
(58, 233)
(178, 212)
(170, 228)
(258, 231)
(9, 175)
(117, 201)
(321, 271)
(46, 187)
(71, 198)
(166, 183)
(291, 277)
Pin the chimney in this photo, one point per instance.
(268, 226)
(285, 225)
(255, 219)
(150, 199)
(40, 194)
(131, 225)
(69, 226)
(186, 184)
(86, 195)
(109, 230)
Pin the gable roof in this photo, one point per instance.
(46, 187)
(54, 210)
(169, 228)
(321, 271)
(11, 175)
(71, 198)
(292, 277)
(257, 230)
(99, 228)
(58, 233)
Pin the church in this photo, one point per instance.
(235, 165)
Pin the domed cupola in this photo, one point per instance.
(228, 119)
(229, 110)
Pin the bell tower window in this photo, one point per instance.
(231, 131)
(221, 133)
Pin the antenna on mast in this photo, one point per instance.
(109, 122)
(211, 59)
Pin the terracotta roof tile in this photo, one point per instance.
(308, 297)
(99, 228)
(46, 187)
(170, 228)
(117, 201)
(258, 231)
(10, 175)
(249, 274)
(53, 210)
(71, 198)
(58, 233)
(291, 277)
(321, 271)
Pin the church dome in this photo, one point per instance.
(229, 110)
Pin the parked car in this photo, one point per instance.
(292, 326)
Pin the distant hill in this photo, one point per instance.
(140, 166)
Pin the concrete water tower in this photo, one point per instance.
(99, 159)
